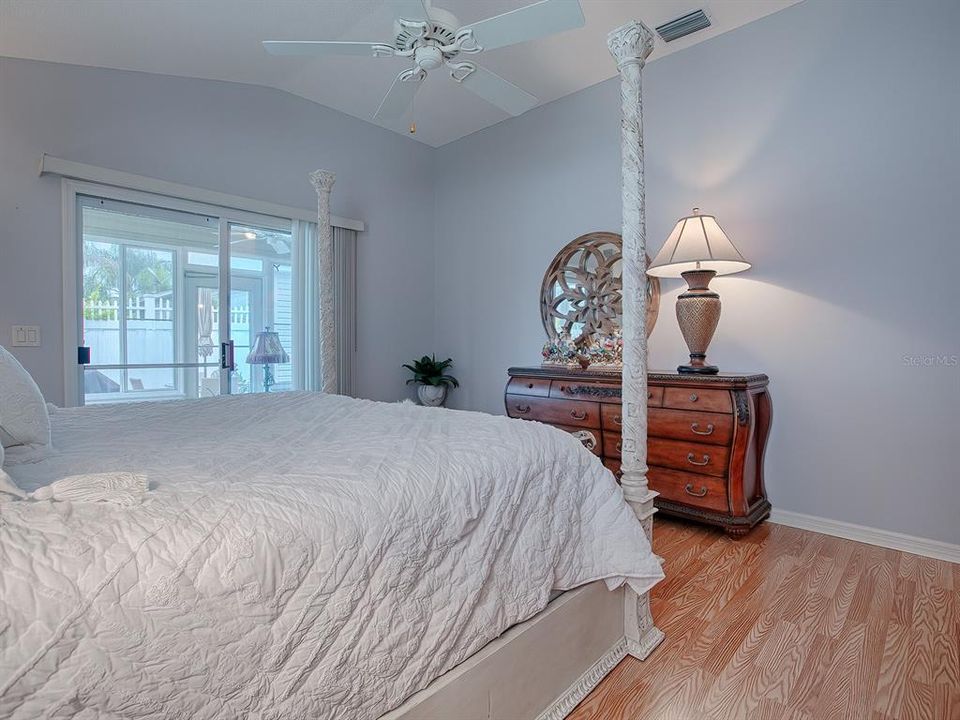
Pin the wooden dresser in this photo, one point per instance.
(706, 434)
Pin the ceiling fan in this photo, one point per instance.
(432, 37)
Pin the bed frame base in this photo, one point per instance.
(565, 704)
(543, 667)
(641, 635)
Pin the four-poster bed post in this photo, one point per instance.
(323, 182)
(570, 646)
(630, 46)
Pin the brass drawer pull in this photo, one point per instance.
(617, 420)
(523, 409)
(689, 490)
(618, 445)
(578, 414)
(693, 397)
(694, 428)
(649, 396)
(706, 460)
(586, 437)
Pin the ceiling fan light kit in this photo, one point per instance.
(432, 37)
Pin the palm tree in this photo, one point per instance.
(147, 272)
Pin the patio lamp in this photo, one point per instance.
(267, 351)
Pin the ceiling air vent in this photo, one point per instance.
(683, 26)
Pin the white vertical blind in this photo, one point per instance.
(306, 298)
(345, 305)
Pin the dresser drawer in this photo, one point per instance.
(613, 466)
(611, 445)
(586, 390)
(688, 456)
(611, 418)
(612, 415)
(538, 387)
(680, 398)
(612, 411)
(555, 412)
(702, 491)
(713, 428)
(654, 396)
(589, 437)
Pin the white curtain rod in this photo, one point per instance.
(50, 165)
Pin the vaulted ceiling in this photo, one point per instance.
(220, 40)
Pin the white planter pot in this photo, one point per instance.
(432, 395)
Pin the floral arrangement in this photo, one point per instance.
(560, 351)
(607, 350)
(584, 351)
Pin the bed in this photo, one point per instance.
(305, 555)
(295, 555)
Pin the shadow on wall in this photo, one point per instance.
(713, 159)
(788, 316)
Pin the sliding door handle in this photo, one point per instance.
(226, 356)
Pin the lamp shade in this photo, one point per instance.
(697, 243)
(267, 350)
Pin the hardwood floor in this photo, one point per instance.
(786, 624)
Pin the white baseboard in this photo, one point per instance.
(869, 535)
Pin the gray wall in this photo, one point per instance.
(238, 139)
(826, 138)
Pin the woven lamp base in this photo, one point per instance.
(698, 312)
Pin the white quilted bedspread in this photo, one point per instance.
(297, 556)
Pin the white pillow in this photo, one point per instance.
(23, 413)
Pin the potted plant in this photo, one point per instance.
(432, 381)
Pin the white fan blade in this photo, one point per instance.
(528, 23)
(497, 91)
(325, 47)
(410, 9)
(399, 97)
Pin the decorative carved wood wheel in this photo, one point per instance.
(582, 291)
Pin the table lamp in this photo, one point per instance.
(697, 250)
(266, 351)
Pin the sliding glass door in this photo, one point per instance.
(263, 280)
(180, 304)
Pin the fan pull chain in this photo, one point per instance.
(413, 116)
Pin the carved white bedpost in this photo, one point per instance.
(630, 46)
(323, 182)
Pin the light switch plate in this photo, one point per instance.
(26, 336)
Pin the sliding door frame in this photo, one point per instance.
(71, 190)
